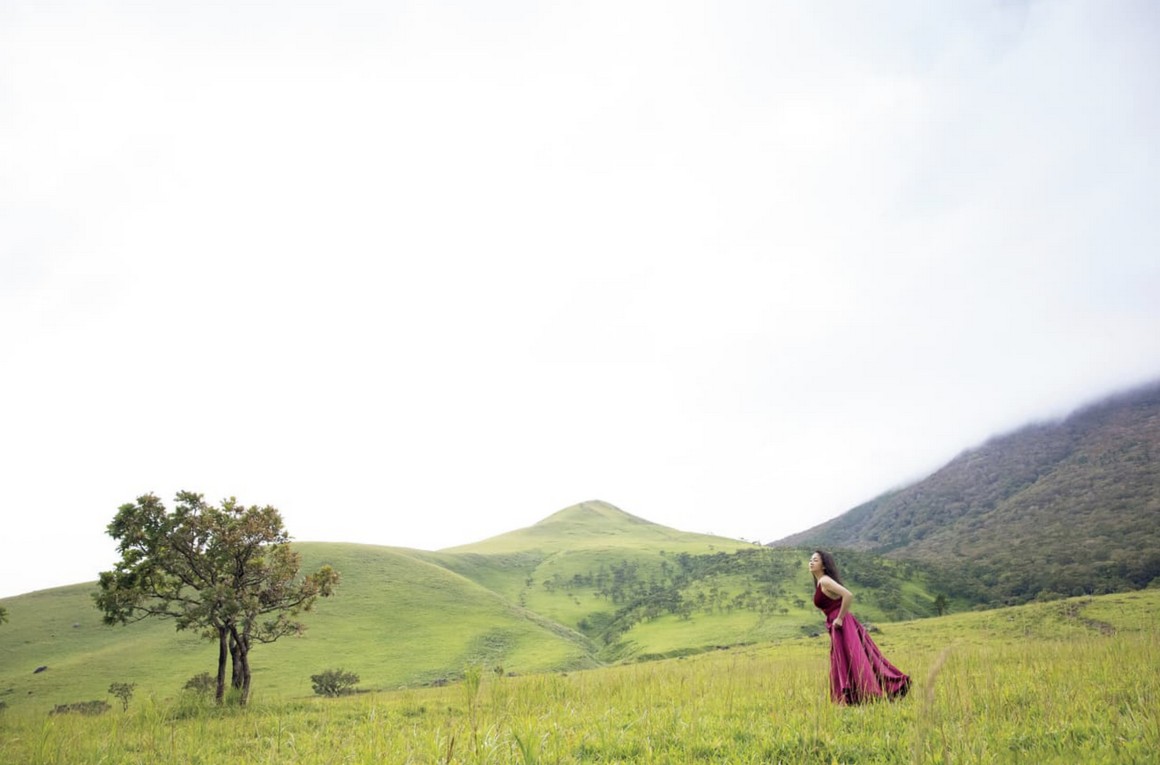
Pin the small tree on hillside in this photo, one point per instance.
(124, 692)
(228, 572)
(3, 615)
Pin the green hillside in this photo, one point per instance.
(1062, 508)
(586, 586)
(396, 620)
(640, 589)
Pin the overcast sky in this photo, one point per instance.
(421, 273)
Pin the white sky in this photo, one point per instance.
(421, 273)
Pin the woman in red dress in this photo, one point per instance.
(858, 670)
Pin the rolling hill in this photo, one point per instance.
(1058, 508)
(588, 585)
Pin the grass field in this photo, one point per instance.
(1074, 681)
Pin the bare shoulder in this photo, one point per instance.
(832, 588)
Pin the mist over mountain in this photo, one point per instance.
(1056, 508)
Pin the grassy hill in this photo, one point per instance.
(1061, 508)
(586, 586)
(395, 620)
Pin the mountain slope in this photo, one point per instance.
(1056, 508)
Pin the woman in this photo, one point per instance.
(858, 670)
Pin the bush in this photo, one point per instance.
(82, 708)
(203, 684)
(333, 682)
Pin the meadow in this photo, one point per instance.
(1073, 680)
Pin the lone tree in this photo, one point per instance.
(227, 571)
(123, 691)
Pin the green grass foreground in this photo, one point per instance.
(1067, 681)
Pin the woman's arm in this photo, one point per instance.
(835, 591)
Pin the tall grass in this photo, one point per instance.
(1075, 681)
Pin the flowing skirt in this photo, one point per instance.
(858, 670)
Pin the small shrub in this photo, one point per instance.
(81, 708)
(334, 682)
(203, 684)
(124, 692)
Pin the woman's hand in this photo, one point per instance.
(838, 622)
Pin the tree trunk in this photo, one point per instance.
(235, 655)
(241, 662)
(245, 677)
(220, 691)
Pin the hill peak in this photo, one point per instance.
(593, 511)
(592, 524)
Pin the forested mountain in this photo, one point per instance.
(1066, 507)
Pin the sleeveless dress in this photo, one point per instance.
(858, 670)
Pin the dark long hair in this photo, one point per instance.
(828, 566)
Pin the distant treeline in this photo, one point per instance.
(759, 580)
(1011, 580)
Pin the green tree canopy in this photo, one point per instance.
(226, 571)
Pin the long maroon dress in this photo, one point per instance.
(858, 670)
